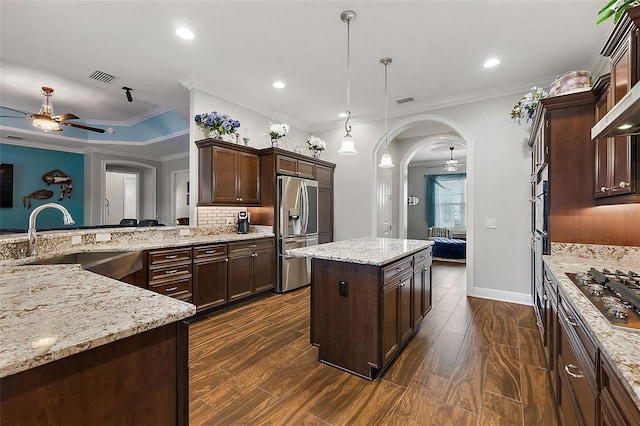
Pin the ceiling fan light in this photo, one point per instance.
(45, 123)
(386, 162)
(347, 147)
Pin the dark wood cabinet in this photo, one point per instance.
(286, 165)
(228, 174)
(251, 267)
(210, 275)
(577, 367)
(616, 405)
(421, 298)
(324, 176)
(363, 315)
(617, 158)
(550, 326)
(169, 272)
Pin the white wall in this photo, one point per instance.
(501, 162)
(165, 194)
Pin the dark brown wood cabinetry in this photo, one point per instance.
(616, 406)
(577, 367)
(210, 276)
(324, 176)
(286, 165)
(229, 174)
(251, 267)
(617, 158)
(169, 272)
(374, 310)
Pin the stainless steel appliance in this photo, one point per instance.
(615, 294)
(296, 226)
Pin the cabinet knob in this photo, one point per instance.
(398, 269)
(604, 189)
(624, 184)
(254, 255)
(571, 321)
(576, 375)
(545, 297)
(226, 259)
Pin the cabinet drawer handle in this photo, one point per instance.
(577, 375)
(624, 184)
(172, 256)
(571, 321)
(253, 245)
(172, 271)
(171, 289)
(210, 251)
(604, 189)
(398, 269)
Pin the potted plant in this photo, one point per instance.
(316, 145)
(217, 124)
(526, 107)
(277, 131)
(616, 8)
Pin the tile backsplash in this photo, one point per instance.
(218, 216)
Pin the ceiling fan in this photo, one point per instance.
(45, 120)
(451, 165)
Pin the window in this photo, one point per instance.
(447, 200)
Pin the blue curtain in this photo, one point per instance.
(441, 184)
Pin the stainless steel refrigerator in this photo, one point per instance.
(297, 226)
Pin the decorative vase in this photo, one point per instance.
(213, 134)
(316, 154)
(274, 142)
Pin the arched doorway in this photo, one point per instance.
(402, 157)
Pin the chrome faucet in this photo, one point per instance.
(31, 234)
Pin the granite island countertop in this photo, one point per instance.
(367, 250)
(619, 346)
(48, 312)
(54, 311)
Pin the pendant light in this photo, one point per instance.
(348, 147)
(451, 165)
(386, 162)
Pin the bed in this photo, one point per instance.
(449, 248)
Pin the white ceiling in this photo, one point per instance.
(242, 47)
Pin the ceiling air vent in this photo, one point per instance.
(14, 137)
(102, 77)
(404, 101)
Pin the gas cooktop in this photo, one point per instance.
(615, 294)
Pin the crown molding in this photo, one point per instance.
(132, 121)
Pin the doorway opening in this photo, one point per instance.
(139, 197)
(407, 138)
(181, 197)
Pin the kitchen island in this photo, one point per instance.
(77, 348)
(368, 298)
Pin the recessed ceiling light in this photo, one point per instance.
(342, 115)
(492, 62)
(279, 85)
(625, 126)
(185, 33)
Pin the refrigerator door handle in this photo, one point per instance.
(305, 207)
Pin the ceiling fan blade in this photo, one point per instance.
(12, 116)
(16, 110)
(63, 117)
(80, 126)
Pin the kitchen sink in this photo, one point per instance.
(112, 264)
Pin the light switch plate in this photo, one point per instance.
(490, 224)
(103, 237)
(184, 233)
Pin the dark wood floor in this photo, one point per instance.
(474, 361)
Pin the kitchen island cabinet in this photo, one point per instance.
(362, 300)
(78, 348)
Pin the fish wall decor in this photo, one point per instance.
(42, 194)
(58, 177)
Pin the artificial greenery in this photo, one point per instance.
(616, 8)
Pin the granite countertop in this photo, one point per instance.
(51, 312)
(368, 251)
(48, 312)
(619, 346)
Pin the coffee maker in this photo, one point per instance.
(243, 222)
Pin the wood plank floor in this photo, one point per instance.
(473, 362)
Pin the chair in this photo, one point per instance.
(129, 222)
(148, 222)
(182, 221)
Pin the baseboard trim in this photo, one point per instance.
(503, 296)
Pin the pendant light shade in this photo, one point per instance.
(348, 146)
(386, 162)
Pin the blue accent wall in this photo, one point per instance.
(29, 164)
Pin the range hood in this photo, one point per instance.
(623, 119)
